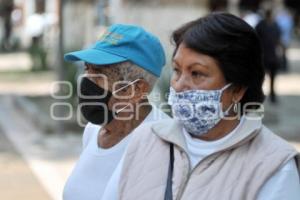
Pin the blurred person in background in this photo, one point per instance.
(251, 17)
(36, 25)
(6, 8)
(216, 147)
(217, 5)
(252, 5)
(269, 34)
(285, 21)
(294, 6)
(129, 55)
(249, 11)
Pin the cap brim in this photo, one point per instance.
(94, 56)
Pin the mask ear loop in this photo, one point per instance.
(121, 109)
(131, 83)
(171, 96)
(226, 113)
(226, 86)
(114, 92)
(234, 104)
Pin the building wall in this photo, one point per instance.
(159, 17)
(160, 20)
(79, 23)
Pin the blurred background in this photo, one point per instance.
(40, 138)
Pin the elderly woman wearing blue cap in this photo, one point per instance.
(121, 69)
(216, 147)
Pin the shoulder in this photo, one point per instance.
(289, 166)
(144, 136)
(145, 159)
(143, 132)
(89, 131)
(273, 141)
(146, 130)
(269, 148)
(284, 184)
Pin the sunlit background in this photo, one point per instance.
(40, 138)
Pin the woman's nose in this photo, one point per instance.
(182, 83)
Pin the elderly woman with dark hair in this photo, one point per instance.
(216, 147)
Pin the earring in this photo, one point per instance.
(235, 107)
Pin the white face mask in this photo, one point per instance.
(198, 110)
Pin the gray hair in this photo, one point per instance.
(130, 72)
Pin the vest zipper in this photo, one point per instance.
(181, 191)
(190, 174)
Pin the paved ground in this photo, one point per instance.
(17, 181)
(40, 164)
(19, 61)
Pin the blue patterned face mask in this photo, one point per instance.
(198, 110)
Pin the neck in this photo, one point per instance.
(223, 128)
(115, 131)
(140, 113)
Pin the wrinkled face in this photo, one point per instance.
(131, 93)
(110, 79)
(111, 73)
(193, 70)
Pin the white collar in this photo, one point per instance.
(245, 127)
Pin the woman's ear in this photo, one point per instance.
(238, 93)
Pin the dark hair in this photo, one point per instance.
(233, 44)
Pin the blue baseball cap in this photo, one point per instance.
(124, 43)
